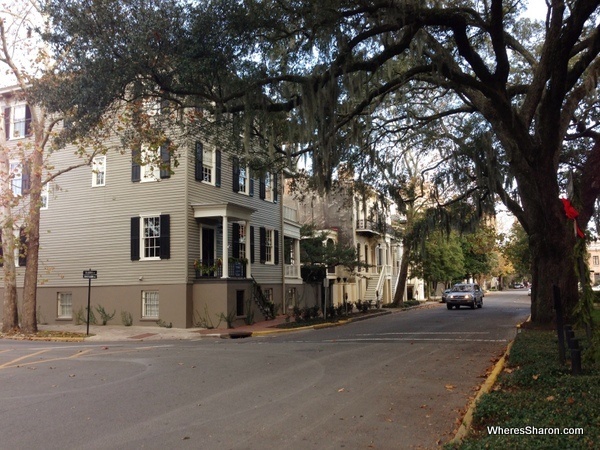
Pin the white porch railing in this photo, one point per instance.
(290, 214)
(292, 271)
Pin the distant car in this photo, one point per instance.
(596, 288)
(518, 286)
(465, 294)
(445, 295)
(529, 291)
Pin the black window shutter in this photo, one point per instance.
(235, 240)
(22, 247)
(262, 234)
(136, 172)
(1, 251)
(276, 259)
(218, 168)
(165, 236)
(135, 238)
(198, 155)
(27, 121)
(7, 123)
(251, 181)
(262, 188)
(165, 161)
(274, 185)
(252, 245)
(26, 178)
(236, 174)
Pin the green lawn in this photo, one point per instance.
(535, 397)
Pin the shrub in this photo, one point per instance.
(104, 316)
(126, 318)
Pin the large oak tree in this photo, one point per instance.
(518, 103)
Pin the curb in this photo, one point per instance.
(319, 326)
(486, 387)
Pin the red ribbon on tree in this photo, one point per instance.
(572, 214)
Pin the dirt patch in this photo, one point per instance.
(47, 335)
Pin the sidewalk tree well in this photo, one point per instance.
(518, 100)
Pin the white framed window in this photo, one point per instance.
(244, 187)
(19, 121)
(269, 187)
(65, 305)
(208, 165)
(99, 171)
(16, 180)
(150, 303)
(150, 163)
(268, 293)
(242, 241)
(269, 248)
(152, 106)
(596, 260)
(45, 196)
(150, 237)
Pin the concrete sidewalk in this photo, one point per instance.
(105, 333)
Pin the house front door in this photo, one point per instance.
(208, 246)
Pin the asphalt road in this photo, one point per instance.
(392, 382)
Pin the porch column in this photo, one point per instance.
(225, 256)
(297, 256)
(248, 250)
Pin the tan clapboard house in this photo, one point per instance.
(197, 243)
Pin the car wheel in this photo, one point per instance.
(480, 304)
(472, 305)
(448, 305)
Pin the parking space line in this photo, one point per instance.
(76, 355)
(9, 363)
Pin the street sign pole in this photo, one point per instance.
(88, 309)
(89, 275)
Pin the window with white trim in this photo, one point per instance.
(19, 121)
(45, 196)
(268, 293)
(150, 303)
(16, 178)
(208, 165)
(99, 171)
(269, 246)
(596, 260)
(65, 305)
(242, 241)
(150, 239)
(243, 180)
(150, 162)
(269, 187)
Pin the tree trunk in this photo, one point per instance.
(401, 285)
(29, 318)
(10, 314)
(553, 263)
(551, 242)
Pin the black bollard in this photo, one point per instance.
(559, 324)
(570, 336)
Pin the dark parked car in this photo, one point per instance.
(465, 294)
(445, 295)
